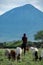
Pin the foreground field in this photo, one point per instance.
(25, 60)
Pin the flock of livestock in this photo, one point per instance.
(17, 53)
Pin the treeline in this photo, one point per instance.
(19, 43)
(37, 44)
(37, 37)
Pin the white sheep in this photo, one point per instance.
(7, 51)
(34, 52)
(41, 53)
(18, 52)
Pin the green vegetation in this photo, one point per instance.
(39, 35)
(19, 43)
(14, 44)
(25, 60)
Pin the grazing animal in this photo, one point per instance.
(13, 54)
(41, 56)
(7, 53)
(18, 53)
(36, 55)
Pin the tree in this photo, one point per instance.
(39, 36)
(4, 43)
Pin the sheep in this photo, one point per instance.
(35, 53)
(41, 55)
(18, 53)
(13, 54)
(7, 53)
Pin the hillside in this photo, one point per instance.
(19, 20)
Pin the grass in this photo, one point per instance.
(25, 60)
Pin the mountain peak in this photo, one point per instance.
(27, 5)
(22, 19)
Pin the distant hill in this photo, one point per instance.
(19, 20)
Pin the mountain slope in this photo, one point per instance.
(19, 20)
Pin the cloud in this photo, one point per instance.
(4, 8)
(38, 4)
(6, 5)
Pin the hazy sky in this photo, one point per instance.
(6, 5)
